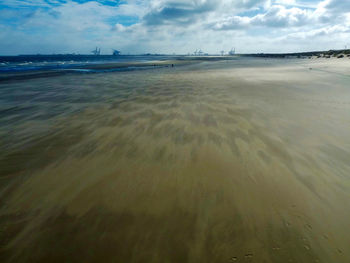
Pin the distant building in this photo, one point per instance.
(116, 52)
(96, 52)
(232, 52)
(199, 53)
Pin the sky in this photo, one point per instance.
(172, 26)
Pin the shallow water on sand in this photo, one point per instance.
(219, 162)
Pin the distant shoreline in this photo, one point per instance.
(276, 55)
(319, 54)
(103, 66)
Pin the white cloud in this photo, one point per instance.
(168, 26)
(277, 16)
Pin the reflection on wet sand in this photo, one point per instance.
(196, 164)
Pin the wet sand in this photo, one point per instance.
(229, 161)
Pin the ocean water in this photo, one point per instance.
(238, 160)
(55, 62)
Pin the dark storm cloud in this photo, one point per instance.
(341, 6)
(182, 13)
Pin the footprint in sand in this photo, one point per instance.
(309, 226)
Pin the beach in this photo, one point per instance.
(240, 160)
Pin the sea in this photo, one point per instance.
(24, 63)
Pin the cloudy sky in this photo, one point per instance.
(172, 26)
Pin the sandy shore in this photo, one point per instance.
(225, 161)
